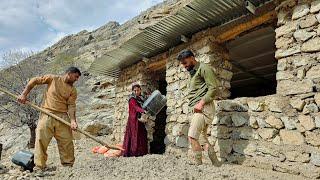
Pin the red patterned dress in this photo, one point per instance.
(135, 139)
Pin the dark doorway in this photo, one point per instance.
(254, 65)
(157, 146)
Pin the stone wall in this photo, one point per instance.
(267, 132)
(298, 45)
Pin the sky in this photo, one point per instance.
(33, 25)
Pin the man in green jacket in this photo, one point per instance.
(202, 90)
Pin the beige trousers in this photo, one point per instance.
(47, 128)
(200, 122)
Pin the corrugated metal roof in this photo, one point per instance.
(194, 17)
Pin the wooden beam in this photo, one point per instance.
(158, 65)
(232, 33)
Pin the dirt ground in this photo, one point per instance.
(95, 166)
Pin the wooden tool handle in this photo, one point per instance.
(62, 120)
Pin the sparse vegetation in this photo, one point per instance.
(14, 78)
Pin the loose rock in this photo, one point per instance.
(291, 137)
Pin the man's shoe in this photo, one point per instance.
(38, 171)
(197, 158)
(42, 172)
(213, 156)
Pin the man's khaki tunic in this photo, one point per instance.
(59, 99)
(203, 86)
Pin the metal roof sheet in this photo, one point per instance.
(194, 17)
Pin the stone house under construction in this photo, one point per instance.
(267, 57)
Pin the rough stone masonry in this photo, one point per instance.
(279, 132)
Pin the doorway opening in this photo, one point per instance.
(254, 64)
(157, 146)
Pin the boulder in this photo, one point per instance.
(267, 133)
(303, 35)
(284, 42)
(315, 6)
(182, 141)
(287, 28)
(282, 64)
(223, 146)
(262, 123)
(239, 119)
(277, 140)
(281, 75)
(276, 103)
(243, 133)
(289, 123)
(223, 119)
(307, 122)
(239, 146)
(281, 53)
(313, 137)
(256, 106)
(301, 73)
(317, 120)
(274, 122)
(287, 87)
(296, 156)
(300, 11)
(180, 129)
(310, 20)
(314, 72)
(310, 108)
(230, 105)
(315, 158)
(183, 118)
(222, 132)
(291, 137)
(312, 45)
(253, 122)
(317, 99)
(283, 17)
(97, 128)
(297, 103)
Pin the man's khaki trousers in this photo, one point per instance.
(200, 122)
(47, 128)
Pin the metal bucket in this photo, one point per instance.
(155, 103)
(24, 159)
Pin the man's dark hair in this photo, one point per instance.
(73, 70)
(185, 54)
(135, 85)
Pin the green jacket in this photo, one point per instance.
(203, 84)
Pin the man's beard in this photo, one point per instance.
(190, 68)
(70, 82)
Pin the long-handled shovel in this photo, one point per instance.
(62, 120)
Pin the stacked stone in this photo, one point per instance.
(137, 73)
(267, 132)
(177, 90)
(298, 48)
(298, 54)
(230, 130)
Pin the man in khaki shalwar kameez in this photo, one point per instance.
(59, 99)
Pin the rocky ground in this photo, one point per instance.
(95, 166)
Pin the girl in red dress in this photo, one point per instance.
(135, 138)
